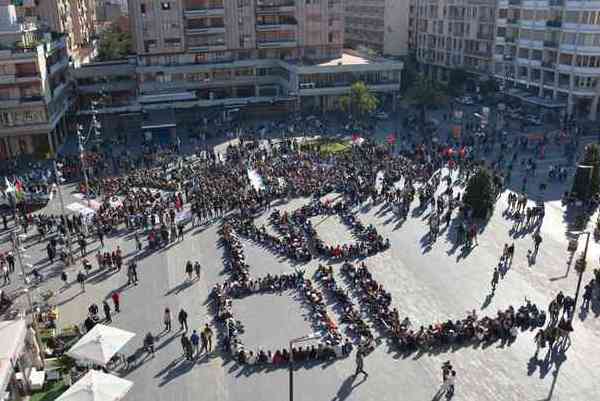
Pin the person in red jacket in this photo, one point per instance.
(116, 298)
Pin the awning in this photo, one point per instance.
(13, 334)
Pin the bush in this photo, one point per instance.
(479, 194)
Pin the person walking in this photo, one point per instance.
(5, 274)
(197, 269)
(116, 298)
(180, 232)
(182, 317)
(537, 239)
(81, 280)
(10, 259)
(195, 339)
(189, 269)
(360, 363)
(167, 319)
(186, 345)
(101, 237)
(495, 278)
(65, 279)
(106, 307)
(207, 333)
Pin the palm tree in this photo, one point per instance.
(359, 102)
(423, 94)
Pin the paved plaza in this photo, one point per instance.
(427, 284)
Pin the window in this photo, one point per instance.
(165, 5)
(142, 8)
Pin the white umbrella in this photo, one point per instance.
(97, 386)
(100, 344)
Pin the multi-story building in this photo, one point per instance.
(551, 48)
(380, 25)
(75, 18)
(244, 55)
(34, 90)
(447, 34)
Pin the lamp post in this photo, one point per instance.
(17, 250)
(298, 340)
(580, 266)
(58, 175)
(81, 141)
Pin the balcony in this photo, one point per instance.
(510, 39)
(275, 6)
(551, 43)
(514, 2)
(512, 21)
(204, 12)
(32, 99)
(275, 43)
(554, 24)
(548, 64)
(207, 48)
(205, 30)
(7, 79)
(557, 3)
(280, 26)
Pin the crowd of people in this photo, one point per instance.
(241, 284)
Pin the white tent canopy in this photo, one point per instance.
(12, 333)
(100, 344)
(97, 386)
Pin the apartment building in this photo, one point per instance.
(379, 25)
(254, 56)
(447, 34)
(34, 90)
(76, 18)
(551, 48)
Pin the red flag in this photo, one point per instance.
(391, 138)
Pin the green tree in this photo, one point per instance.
(458, 79)
(359, 102)
(114, 44)
(425, 93)
(479, 194)
(584, 187)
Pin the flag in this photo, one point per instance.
(19, 190)
(391, 138)
(355, 138)
(9, 187)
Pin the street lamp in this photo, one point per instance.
(17, 250)
(581, 264)
(309, 337)
(59, 180)
(81, 141)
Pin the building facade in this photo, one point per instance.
(551, 48)
(447, 34)
(75, 18)
(247, 55)
(35, 92)
(380, 25)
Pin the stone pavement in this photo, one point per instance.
(427, 284)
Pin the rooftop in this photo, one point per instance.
(348, 57)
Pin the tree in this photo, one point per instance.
(587, 183)
(114, 44)
(425, 93)
(458, 79)
(360, 101)
(479, 194)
